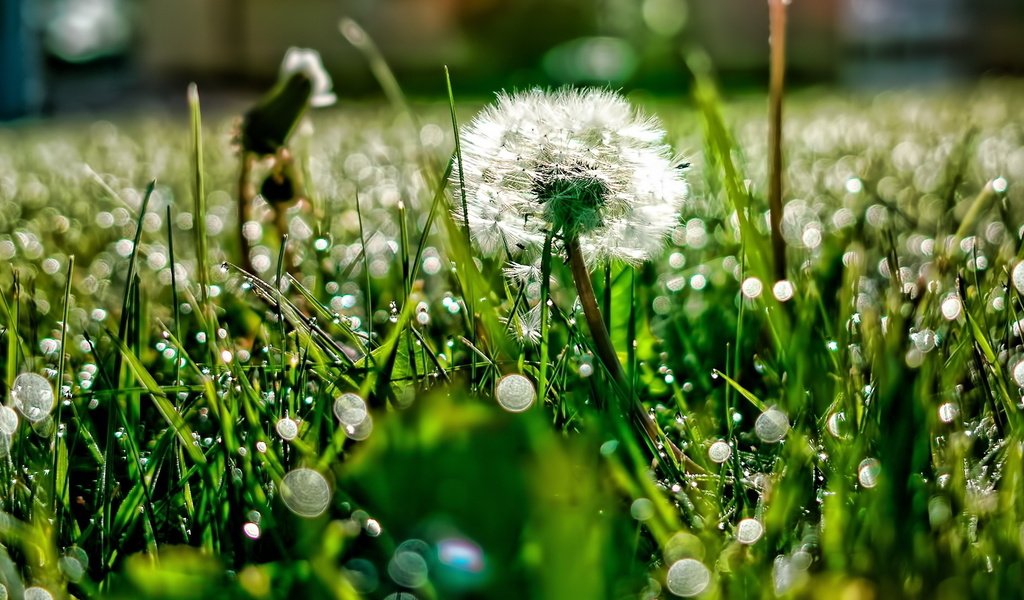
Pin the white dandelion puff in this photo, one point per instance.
(576, 162)
(526, 325)
(308, 62)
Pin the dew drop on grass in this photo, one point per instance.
(751, 287)
(924, 340)
(586, 370)
(783, 290)
(305, 492)
(8, 420)
(642, 509)
(687, 578)
(771, 426)
(836, 425)
(360, 431)
(515, 393)
(287, 429)
(372, 527)
(951, 308)
(32, 395)
(350, 409)
(408, 565)
(1018, 277)
(251, 530)
(948, 412)
(720, 452)
(70, 566)
(362, 574)
(37, 593)
(1018, 373)
(868, 472)
(749, 531)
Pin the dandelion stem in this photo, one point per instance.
(606, 351)
(545, 289)
(777, 27)
(246, 193)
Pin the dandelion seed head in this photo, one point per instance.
(577, 162)
(307, 62)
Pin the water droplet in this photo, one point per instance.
(749, 531)
(515, 393)
(642, 509)
(720, 452)
(751, 287)
(783, 290)
(948, 412)
(771, 426)
(361, 431)
(687, 578)
(251, 530)
(836, 425)
(1018, 276)
(868, 472)
(8, 420)
(1018, 373)
(586, 370)
(350, 409)
(951, 308)
(32, 395)
(372, 527)
(305, 492)
(408, 565)
(287, 429)
(37, 593)
(362, 574)
(924, 340)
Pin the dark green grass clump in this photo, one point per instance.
(855, 430)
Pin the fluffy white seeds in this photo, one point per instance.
(520, 149)
(307, 62)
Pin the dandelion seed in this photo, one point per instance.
(583, 162)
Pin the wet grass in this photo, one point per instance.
(855, 431)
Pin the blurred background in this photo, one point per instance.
(67, 56)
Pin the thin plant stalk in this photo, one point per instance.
(545, 290)
(606, 351)
(246, 194)
(777, 39)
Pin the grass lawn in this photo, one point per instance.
(365, 422)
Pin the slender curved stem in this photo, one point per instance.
(246, 194)
(606, 351)
(545, 291)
